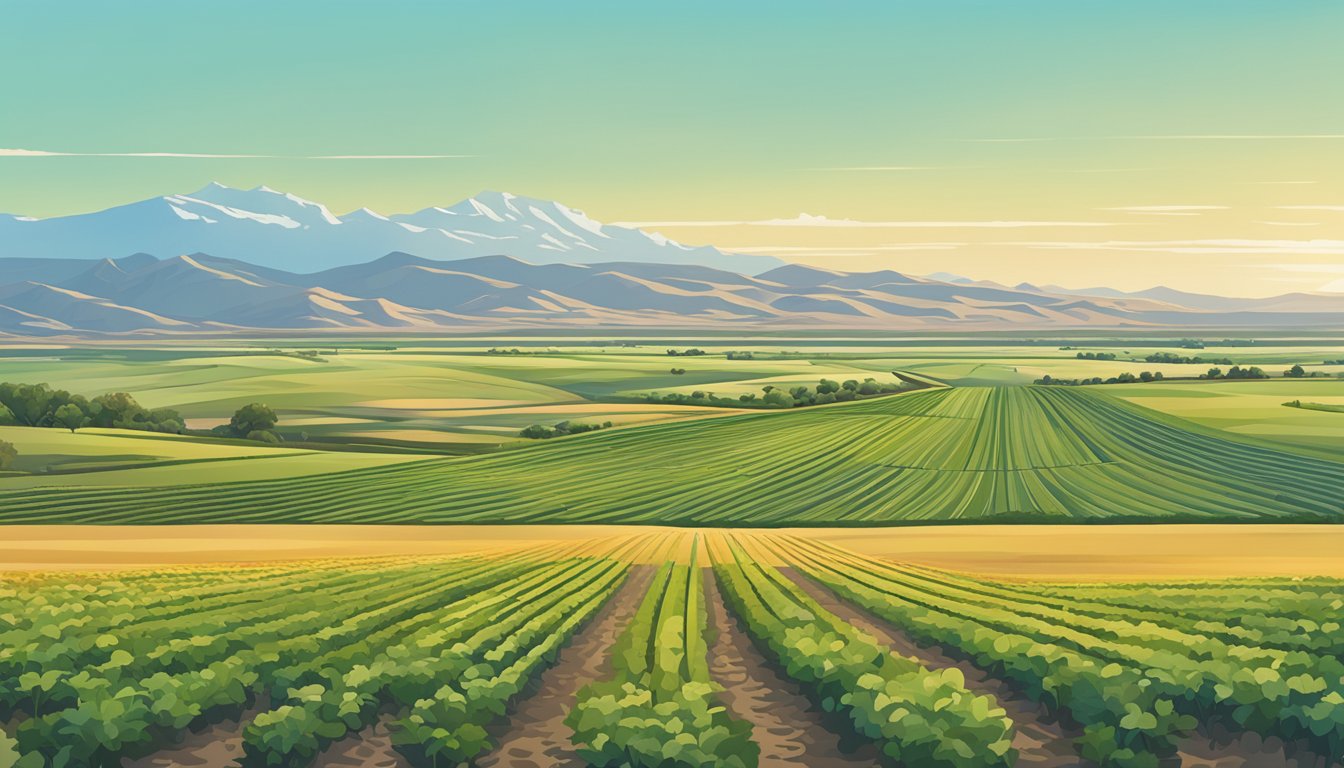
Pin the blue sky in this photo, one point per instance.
(1193, 143)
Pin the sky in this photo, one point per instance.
(1197, 144)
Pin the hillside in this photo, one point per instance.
(202, 293)
(943, 455)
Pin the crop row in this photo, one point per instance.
(660, 707)
(916, 716)
(1020, 452)
(1137, 681)
(105, 669)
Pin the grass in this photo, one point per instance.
(1007, 454)
(1253, 408)
(115, 457)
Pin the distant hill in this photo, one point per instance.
(204, 293)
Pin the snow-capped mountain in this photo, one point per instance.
(282, 231)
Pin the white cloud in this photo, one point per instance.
(848, 250)
(204, 155)
(1226, 246)
(809, 220)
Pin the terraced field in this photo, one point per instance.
(470, 660)
(1006, 454)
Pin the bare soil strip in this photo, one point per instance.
(1221, 749)
(536, 735)
(219, 745)
(784, 723)
(370, 748)
(1040, 741)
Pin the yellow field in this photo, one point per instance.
(1027, 551)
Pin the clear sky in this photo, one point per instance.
(1198, 143)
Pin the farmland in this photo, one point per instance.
(949, 454)
(440, 660)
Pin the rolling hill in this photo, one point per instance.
(942, 455)
(202, 293)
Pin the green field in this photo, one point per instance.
(952, 454)
(598, 653)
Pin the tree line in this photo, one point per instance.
(826, 391)
(542, 432)
(40, 405)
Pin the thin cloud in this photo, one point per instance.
(1311, 207)
(212, 156)
(809, 221)
(848, 250)
(1226, 246)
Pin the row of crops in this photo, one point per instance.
(1009, 453)
(1137, 668)
(660, 705)
(94, 669)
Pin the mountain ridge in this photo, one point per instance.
(275, 229)
(199, 293)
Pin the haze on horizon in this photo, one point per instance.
(1198, 145)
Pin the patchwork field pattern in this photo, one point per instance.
(975, 454)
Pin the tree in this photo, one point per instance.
(8, 453)
(1296, 372)
(253, 417)
(6, 417)
(70, 416)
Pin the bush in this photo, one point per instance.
(253, 417)
(8, 453)
(263, 436)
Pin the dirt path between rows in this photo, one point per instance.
(536, 735)
(1040, 741)
(369, 748)
(783, 721)
(219, 745)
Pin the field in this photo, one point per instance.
(598, 652)
(910, 579)
(966, 453)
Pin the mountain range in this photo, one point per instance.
(499, 261)
(267, 227)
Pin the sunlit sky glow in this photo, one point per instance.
(1197, 144)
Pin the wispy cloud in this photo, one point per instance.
(1225, 246)
(808, 220)
(1311, 207)
(1291, 223)
(848, 250)
(213, 156)
(1166, 210)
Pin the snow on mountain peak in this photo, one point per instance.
(279, 229)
